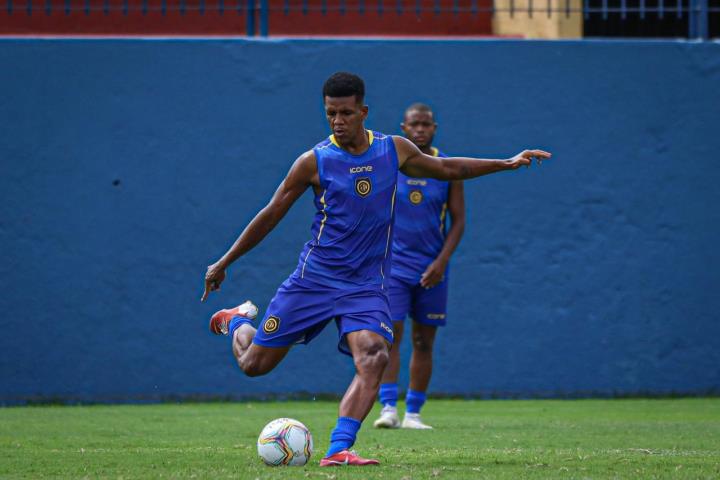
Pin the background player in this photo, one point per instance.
(341, 271)
(421, 249)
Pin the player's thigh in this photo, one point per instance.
(296, 314)
(259, 359)
(363, 311)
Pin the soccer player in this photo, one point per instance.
(421, 249)
(342, 271)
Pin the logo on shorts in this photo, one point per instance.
(363, 186)
(387, 329)
(436, 316)
(416, 197)
(272, 324)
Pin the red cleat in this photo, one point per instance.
(347, 457)
(220, 321)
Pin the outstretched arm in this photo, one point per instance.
(456, 207)
(414, 163)
(302, 174)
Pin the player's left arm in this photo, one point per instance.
(414, 163)
(435, 272)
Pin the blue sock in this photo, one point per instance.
(414, 401)
(235, 323)
(343, 436)
(388, 394)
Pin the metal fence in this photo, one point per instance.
(698, 19)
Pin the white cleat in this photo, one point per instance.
(412, 420)
(388, 418)
(247, 309)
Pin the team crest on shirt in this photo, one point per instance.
(363, 186)
(272, 324)
(416, 197)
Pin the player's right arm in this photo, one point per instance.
(302, 175)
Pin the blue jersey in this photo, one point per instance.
(420, 226)
(352, 230)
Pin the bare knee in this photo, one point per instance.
(252, 367)
(373, 359)
(422, 344)
(257, 360)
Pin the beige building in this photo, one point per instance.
(559, 24)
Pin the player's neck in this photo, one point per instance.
(358, 144)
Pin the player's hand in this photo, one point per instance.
(525, 158)
(433, 274)
(213, 278)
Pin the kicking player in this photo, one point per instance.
(421, 249)
(342, 271)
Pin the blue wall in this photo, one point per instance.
(128, 166)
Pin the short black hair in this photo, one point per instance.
(419, 107)
(344, 84)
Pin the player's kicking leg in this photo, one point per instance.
(370, 353)
(421, 361)
(236, 322)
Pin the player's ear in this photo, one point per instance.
(402, 127)
(364, 109)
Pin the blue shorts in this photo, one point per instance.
(298, 313)
(425, 306)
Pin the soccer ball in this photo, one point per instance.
(285, 441)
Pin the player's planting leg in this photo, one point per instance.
(370, 353)
(420, 373)
(254, 360)
(388, 395)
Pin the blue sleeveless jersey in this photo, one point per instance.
(352, 229)
(420, 226)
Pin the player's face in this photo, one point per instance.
(419, 128)
(345, 116)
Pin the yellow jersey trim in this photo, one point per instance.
(370, 135)
(322, 225)
(435, 151)
(442, 216)
(387, 242)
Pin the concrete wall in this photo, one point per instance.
(128, 166)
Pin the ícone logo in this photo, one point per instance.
(416, 197)
(363, 187)
(272, 324)
(387, 329)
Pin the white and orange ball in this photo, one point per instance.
(285, 441)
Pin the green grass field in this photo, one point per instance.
(674, 438)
